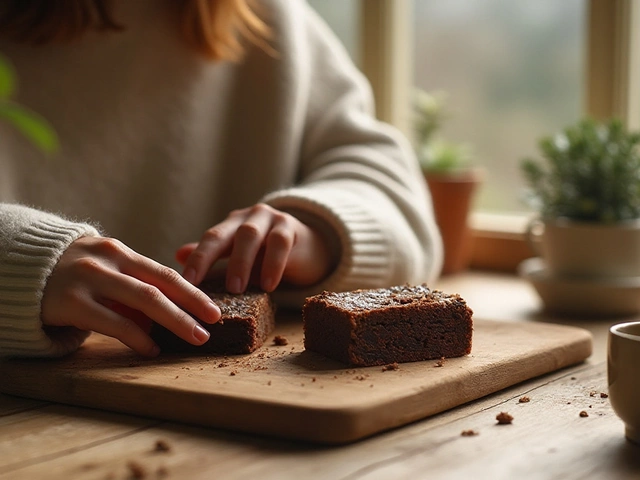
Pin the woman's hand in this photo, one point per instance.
(260, 242)
(100, 284)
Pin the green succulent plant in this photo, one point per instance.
(588, 172)
(435, 154)
(32, 125)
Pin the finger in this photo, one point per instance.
(150, 300)
(279, 243)
(182, 254)
(175, 288)
(246, 244)
(91, 315)
(214, 242)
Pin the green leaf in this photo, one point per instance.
(7, 79)
(31, 125)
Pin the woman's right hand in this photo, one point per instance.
(98, 280)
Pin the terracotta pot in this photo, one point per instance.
(452, 195)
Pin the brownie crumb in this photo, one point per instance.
(391, 366)
(469, 433)
(162, 446)
(592, 393)
(524, 399)
(222, 365)
(269, 382)
(504, 418)
(573, 378)
(440, 363)
(584, 414)
(233, 373)
(280, 340)
(313, 379)
(603, 395)
(137, 471)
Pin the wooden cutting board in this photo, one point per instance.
(287, 392)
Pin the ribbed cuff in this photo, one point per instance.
(27, 261)
(366, 258)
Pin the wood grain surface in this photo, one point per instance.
(287, 392)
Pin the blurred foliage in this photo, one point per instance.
(435, 154)
(32, 125)
(588, 172)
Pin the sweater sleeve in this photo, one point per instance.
(359, 178)
(31, 243)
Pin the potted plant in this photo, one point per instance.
(451, 176)
(586, 189)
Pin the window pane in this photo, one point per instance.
(512, 71)
(344, 19)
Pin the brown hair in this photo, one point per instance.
(215, 28)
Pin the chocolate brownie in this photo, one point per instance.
(246, 322)
(387, 325)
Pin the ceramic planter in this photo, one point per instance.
(587, 250)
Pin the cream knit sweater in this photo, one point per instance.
(159, 144)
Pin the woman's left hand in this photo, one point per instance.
(260, 242)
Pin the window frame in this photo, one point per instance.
(612, 89)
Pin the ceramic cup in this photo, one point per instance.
(623, 371)
(587, 250)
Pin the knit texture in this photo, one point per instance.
(32, 243)
(159, 144)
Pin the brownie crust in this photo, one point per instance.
(247, 320)
(382, 326)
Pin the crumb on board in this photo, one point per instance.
(524, 399)
(592, 393)
(391, 366)
(440, 363)
(584, 414)
(604, 395)
(162, 446)
(469, 433)
(233, 373)
(137, 471)
(280, 340)
(504, 418)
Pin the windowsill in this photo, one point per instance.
(499, 241)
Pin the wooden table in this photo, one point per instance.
(548, 438)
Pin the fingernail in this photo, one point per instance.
(234, 285)
(189, 274)
(200, 334)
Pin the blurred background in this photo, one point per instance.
(512, 71)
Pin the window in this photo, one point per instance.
(514, 70)
(511, 71)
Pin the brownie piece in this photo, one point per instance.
(386, 325)
(246, 322)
